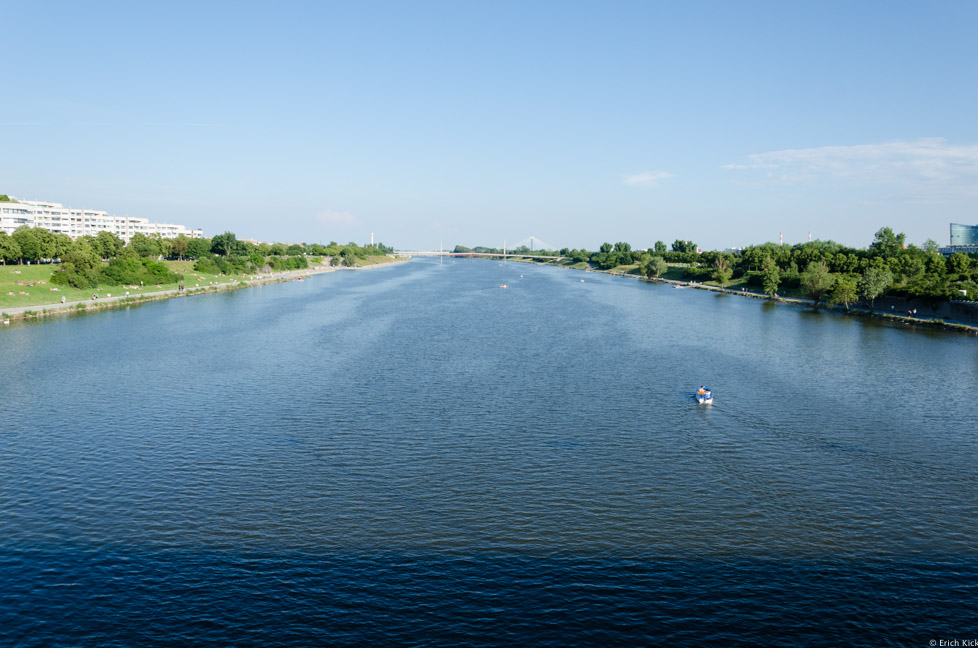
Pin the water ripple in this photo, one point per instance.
(415, 457)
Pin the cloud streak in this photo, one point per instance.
(645, 179)
(921, 165)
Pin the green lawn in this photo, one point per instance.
(674, 273)
(370, 260)
(30, 285)
(580, 265)
(626, 269)
(23, 285)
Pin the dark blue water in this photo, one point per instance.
(415, 456)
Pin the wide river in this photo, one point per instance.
(415, 456)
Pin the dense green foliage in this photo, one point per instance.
(820, 270)
(9, 248)
(722, 269)
(82, 267)
(129, 270)
(107, 245)
(279, 263)
(145, 246)
(828, 270)
(197, 248)
(227, 244)
(845, 290)
(652, 266)
(816, 281)
(91, 261)
(79, 268)
(770, 276)
(213, 264)
(34, 245)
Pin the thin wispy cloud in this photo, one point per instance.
(646, 178)
(923, 165)
(335, 218)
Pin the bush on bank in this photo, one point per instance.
(288, 263)
(130, 271)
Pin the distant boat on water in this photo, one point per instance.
(704, 396)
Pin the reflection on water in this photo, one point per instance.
(412, 454)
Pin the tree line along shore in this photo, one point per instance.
(44, 269)
(821, 271)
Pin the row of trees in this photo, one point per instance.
(35, 244)
(608, 255)
(106, 259)
(38, 244)
(822, 270)
(228, 245)
(825, 270)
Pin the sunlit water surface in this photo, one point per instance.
(417, 456)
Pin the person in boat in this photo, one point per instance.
(702, 390)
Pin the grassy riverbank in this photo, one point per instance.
(31, 285)
(675, 273)
(26, 291)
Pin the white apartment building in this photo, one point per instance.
(80, 222)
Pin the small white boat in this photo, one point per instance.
(704, 396)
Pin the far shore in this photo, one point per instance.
(106, 302)
(857, 310)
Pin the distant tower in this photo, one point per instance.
(781, 240)
(809, 236)
(371, 239)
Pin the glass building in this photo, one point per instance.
(964, 234)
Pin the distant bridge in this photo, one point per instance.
(475, 255)
(529, 242)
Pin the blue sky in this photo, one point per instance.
(477, 122)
